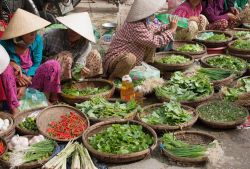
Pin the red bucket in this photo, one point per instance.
(220, 50)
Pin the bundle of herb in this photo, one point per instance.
(221, 111)
(217, 37)
(184, 88)
(121, 139)
(227, 62)
(76, 71)
(174, 59)
(170, 113)
(29, 124)
(215, 74)
(99, 107)
(182, 149)
(190, 48)
(242, 44)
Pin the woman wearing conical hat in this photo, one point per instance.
(72, 47)
(136, 41)
(25, 47)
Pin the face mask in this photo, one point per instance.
(19, 42)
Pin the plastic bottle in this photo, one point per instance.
(127, 89)
(139, 95)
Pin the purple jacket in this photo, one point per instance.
(214, 10)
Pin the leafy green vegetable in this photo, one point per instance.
(227, 62)
(184, 88)
(217, 37)
(174, 59)
(121, 139)
(190, 48)
(182, 149)
(29, 124)
(99, 107)
(242, 34)
(76, 71)
(242, 44)
(215, 74)
(221, 111)
(170, 113)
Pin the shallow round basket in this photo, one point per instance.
(118, 158)
(206, 65)
(54, 113)
(164, 127)
(5, 146)
(20, 117)
(195, 55)
(245, 53)
(215, 44)
(171, 67)
(191, 137)
(222, 125)
(9, 133)
(235, 30)
(89, 83)
(246, 25)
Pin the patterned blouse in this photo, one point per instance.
(185, 10)
(136, 38)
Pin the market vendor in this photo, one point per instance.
(136, 41)
(239, 7)
(72, 47)
(25, 46)
(219, 17)
(191, 9)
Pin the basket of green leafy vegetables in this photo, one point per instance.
(172, 61)
(187, 147)
(189, 90)
(214, 39)
(240, 33)
(78, 92)
(240, 48)
(168, 116)
(100, 109)
(221, 114)
(227, 62)
(120, 141)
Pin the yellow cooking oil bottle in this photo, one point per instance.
(127, 89)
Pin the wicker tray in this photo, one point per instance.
(54, 113)
(9, 133)
(171, 67)
(222, 125)
(215, 44)
(115, 158)
(235, 30)
(191, 137)
(239, 52)
(195, 55)
(89, 83)
(162, 127)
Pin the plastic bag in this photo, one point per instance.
(144, 72)
(33, 99)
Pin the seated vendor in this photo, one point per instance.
(136, 41)
(239, 7)
(191, 9)
(219, 17)
(72, 46)
(25, 46)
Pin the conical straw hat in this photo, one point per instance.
(22, 23)
(142, 9)
(4, 59)
(80, 23)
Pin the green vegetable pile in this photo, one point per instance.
(99, 107)
(174, 59)
(232, 94)
(227, 62)
(242, 34)
(182, 149)
(185, 88)
(217, 37)
(215, 74)
(190, 48)
(221, 111)
(76, 71)
(170, 113)
(29, 124)
(242, 44)
(121, 139)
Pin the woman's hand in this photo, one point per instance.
(234, 11)
(18, 69)
(24, 80)
(232, 17)
(173, 23)
(85, 72)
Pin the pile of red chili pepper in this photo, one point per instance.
(2, 148)
(70, 126)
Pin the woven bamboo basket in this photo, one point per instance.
(215, 44)
(118, 158)
(171, 67)
(244, 53)
(206, 65)
(235, 30)
(195, 55)
(222, 125)
(89, 83)
(9, 133)
(54, 113)
(191, 137)
(5, 146)
(20, 118)
(163, 127)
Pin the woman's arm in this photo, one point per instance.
(210, 14)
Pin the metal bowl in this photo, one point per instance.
(109, 25)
